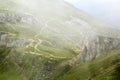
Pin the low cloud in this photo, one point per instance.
(108, 10)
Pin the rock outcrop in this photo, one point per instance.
(100, 45)
(17, 18)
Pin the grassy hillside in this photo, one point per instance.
(39, 37)
(106, 67)
(38, 56)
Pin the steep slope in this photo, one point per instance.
(38, 36)
(106, 67)
(31, 57)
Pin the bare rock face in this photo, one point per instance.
(17, 18)
(8, 40)
(91, 48)
(97, 47)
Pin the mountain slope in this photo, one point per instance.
(106, 67)
(39, 37)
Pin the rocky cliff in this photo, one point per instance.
(37, 37)
(97, 47)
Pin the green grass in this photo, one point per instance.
(7, 72)
(10, 75)
(7, 28)
(105, 67)
(26, 60)
(20, 30)
(61, 48)
(56, 51)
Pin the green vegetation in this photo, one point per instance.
(39, 44)
(25, 62)
(9, 74)
(105, 67)
(56, 51)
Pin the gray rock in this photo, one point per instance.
(97, 47)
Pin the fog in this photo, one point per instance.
(107, 10)
(56, 17)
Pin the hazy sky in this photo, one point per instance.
(108, 10)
